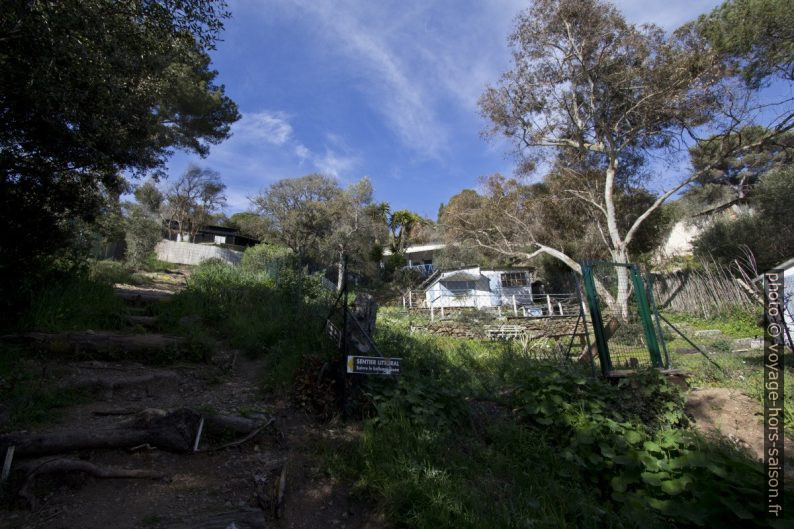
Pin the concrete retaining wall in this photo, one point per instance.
(192, 254)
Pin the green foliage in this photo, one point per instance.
(473, 435)
(74, 303)
(767, 233)
(260, 314)
(251, 225)
(736, 323)
(754, 37)
(741, 170)
(109, 272)
(270, 259)
(27, 397)
(93, 90)
(142, 234)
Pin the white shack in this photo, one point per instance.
(475, 287)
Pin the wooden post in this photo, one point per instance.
(515, 307)
(524, 310)
(499, 310)
(560, 307)
(403, 302)
(442, 311)
(7, 463)
(410, 301)
(432, 313)
(548, 302)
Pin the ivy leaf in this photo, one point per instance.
(633, 436)
(674, 487)
(650, 446)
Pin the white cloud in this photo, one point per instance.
(425, 64)
(302, 152)
(333, 163)
(259, 127)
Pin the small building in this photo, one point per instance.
(420, 256)
(221, 235)
(479, 288)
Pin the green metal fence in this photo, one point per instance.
(624, 318)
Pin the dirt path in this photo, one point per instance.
(734, 415)
(237, 485)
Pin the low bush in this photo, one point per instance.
(473, 435)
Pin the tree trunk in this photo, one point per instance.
(340, 275)
(364, 313)
(591, 351)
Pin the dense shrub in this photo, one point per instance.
(472, 435)
(768, 232)
(269, 258)
(142, 234)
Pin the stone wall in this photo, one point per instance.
(192, 254)
(535, 327)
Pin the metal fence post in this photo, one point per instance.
(595, 317)
(645, 315)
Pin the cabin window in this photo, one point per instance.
(460, 285)
(514, 279)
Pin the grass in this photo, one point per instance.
(735, 324)
(80, 302)
(742, 371)
(474, 435)
(28, 396)
(255, 312)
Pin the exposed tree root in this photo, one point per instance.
(33, 469)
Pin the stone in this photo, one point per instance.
(748, 343)
(708, 333)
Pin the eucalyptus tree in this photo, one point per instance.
(191, 200)
(597, 97)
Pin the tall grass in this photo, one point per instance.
(276, 318)
(78, 301)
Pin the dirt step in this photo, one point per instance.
(114, 376)
(96, 342)
(147, 322)
(138, 296)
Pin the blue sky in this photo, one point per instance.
(381, 88)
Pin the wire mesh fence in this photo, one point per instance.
(626, 328)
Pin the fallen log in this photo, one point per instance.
(174, 431)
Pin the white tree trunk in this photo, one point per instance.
(340, 272)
